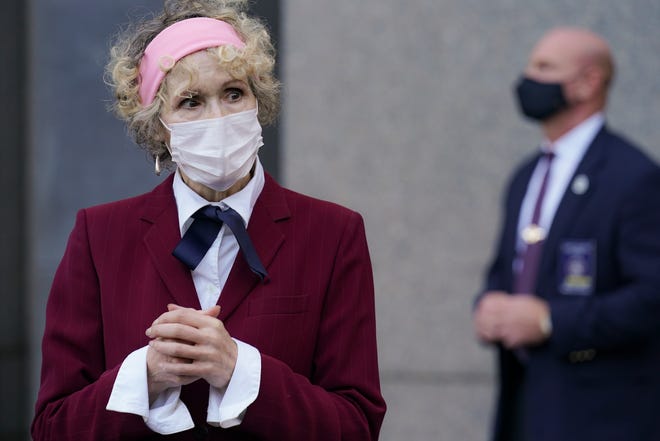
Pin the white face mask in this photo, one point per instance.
(216, 152)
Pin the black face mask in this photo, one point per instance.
(539, 101)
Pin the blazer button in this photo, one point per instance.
(200, 433)
(581, 356)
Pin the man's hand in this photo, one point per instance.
(513, 320)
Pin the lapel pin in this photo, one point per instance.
(580, 184)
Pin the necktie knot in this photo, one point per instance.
(206, 225)
(208, 212)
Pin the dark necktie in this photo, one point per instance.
(196, 242)
(533, 236)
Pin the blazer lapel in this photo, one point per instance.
(267, 238)
(161, 238)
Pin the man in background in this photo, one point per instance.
(572, 297)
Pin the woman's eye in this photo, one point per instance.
(188, 103)
(234, 94)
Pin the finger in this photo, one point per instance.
(213, 311)
(174, 307)
(510, 343)
(155, 356)
(215, 374)
(174, 340)
(484, 321)
(487, 334)
(485, 340)
(176, 332)
(172, 380)
(511, 338)
(157, 378)
(496, 299)
(187, 316)
(481, 335)
(214, 334)
(179, 351)
(162, 358)
(179, 370)
(484, 334)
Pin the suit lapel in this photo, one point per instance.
(267, 238)
(161, 238)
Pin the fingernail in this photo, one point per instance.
(148, 332)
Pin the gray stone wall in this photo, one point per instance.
(403, 111)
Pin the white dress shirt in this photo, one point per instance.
(568, 152)
(168, 414)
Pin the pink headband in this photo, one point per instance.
(175, 42)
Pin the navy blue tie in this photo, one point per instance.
(196, 242)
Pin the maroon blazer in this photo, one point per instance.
(312, 320)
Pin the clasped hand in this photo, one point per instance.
(513, 320)
(187, 345)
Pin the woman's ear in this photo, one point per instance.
(162, 135)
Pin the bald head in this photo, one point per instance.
(563, 53)
(577, 48)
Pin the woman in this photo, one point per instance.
(166, 317)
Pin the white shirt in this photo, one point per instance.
(568, 153)
(168, 414)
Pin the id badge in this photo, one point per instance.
(577, 267)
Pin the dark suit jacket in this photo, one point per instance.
(312, 320)
(598, 376)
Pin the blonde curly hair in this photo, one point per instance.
(254, 63)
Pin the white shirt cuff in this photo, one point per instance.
(130, 394)
(227, 407)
